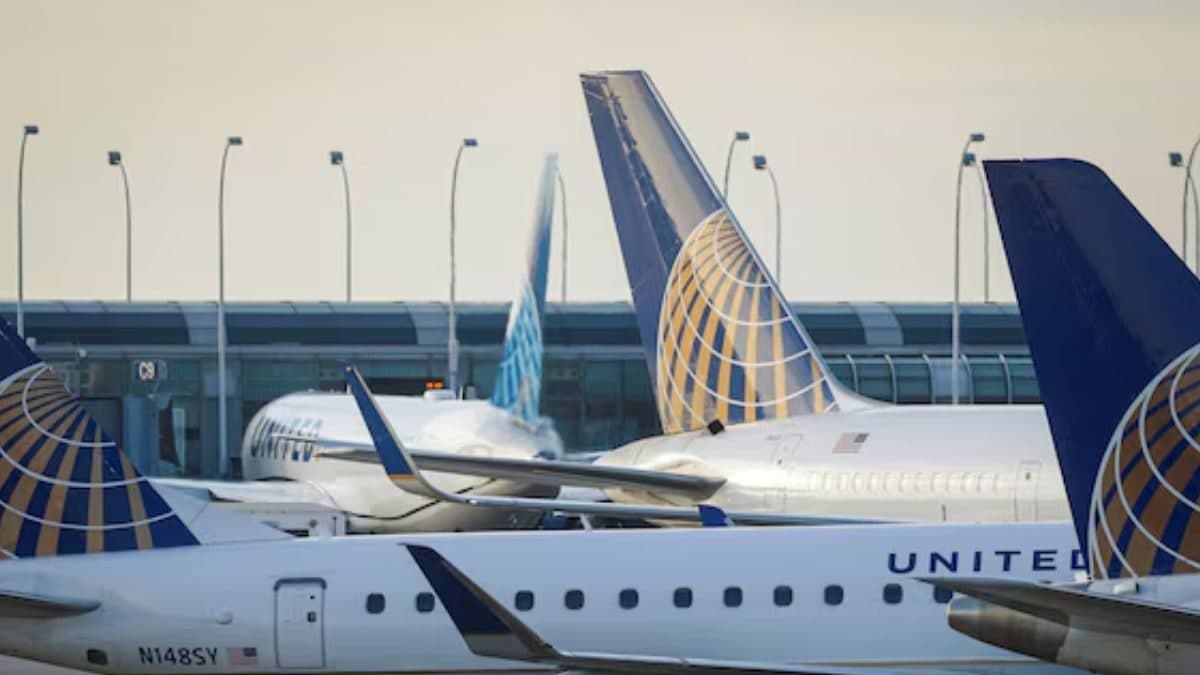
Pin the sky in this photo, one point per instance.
(860, 107)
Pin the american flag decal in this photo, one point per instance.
(849, 443)
(242, 656)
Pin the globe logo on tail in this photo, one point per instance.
(728, 348)
(1143, 514)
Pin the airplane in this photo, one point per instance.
(109, 573)
(1113, 320)
(748, 406)
(308, 448)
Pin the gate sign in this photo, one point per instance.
(151, 371)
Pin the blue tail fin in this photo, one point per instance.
(1113, 321)
(519, 381)
(720, 338)
(65, 486)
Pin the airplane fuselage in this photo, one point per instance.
(920, 463)
(829, 595)
(361, 489)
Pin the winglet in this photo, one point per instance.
(396, 461)
(714, 516)
(485, 625)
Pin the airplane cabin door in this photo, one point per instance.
(1025, 497)
(300, 623)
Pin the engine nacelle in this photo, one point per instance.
(1064, 644)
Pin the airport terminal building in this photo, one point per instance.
(148, 370)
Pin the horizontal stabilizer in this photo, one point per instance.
(1117, 614)
(18, 605)
(491, 630)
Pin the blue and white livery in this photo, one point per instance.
(1113, 321)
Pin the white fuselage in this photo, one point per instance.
(361, 489)
(921, 463)
(307, 604)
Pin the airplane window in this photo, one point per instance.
(375, 603)
(971, 482)
(919, 482)
(893, 594)
(783, 596)
(843, 481)
(733, 596)
(893, 482)
(523, 600)
(834, 595)
(906, 482)
(942, 595)
(424, 602)
(876, 482)
(573, 599)
(628, 598)
(939, 482)
(996, 483)
(956, 481)
(683, 598)
(97, 657)
(860, 482)
(829, 481)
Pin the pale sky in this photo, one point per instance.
(861, 107)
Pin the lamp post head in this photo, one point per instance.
(968, 159)
(31, 130)
(470, 142)
(978, 137)
(114, 158)
(234, 140)
(741, 135)
(335, 157)
(1176, 158)
(760, 162)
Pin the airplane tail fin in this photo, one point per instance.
(519, 380)
(1112, 316)
(720, 338)
(65, 486)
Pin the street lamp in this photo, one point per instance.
(737, 136)
(336, 158)
(222, 413)
(760, 164)
(1189, 183)
(452, 341)
(562, 189)
(114, 159)
(969, 160)
(30, 130)
(955, 347)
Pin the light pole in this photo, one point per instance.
(562, 189)
(760, 163)
(30, 130)
(737, 136)
(222, 415)
(452, 340)
(969, 160)
(114, 159)
(1189, 184)
(955, 347)
(336, 158)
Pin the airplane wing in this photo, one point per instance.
(1065, 605)
(490, 630)
(21, 605)
(548, 472)
(275, 491)
(404, 474)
